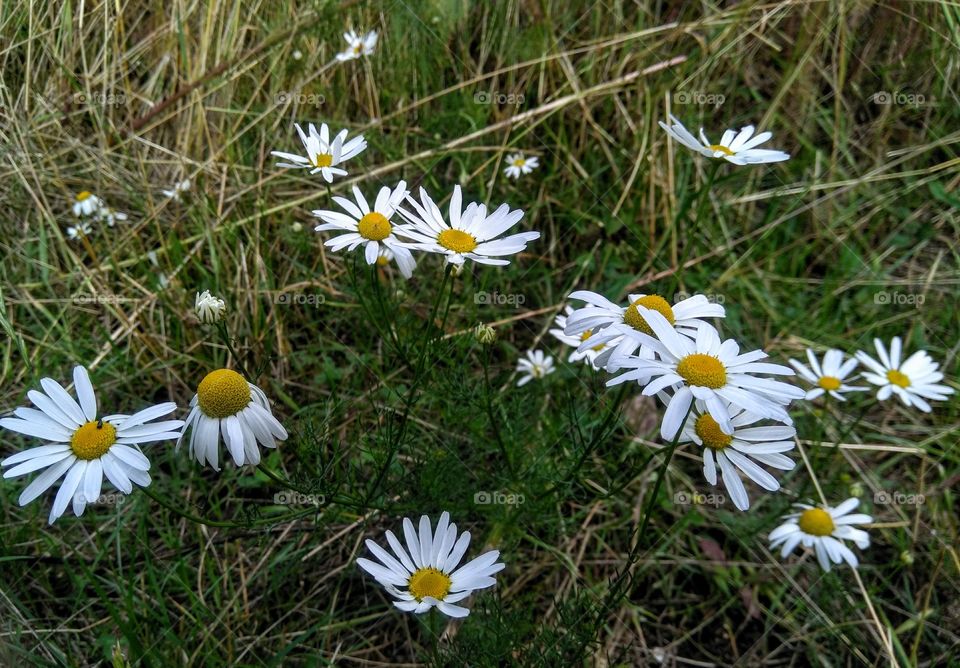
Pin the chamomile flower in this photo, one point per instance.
(209, 309)
(178, 187)
(82, 448)
(709, 370)
(823, 529)
(111, 216)
(358, 45)
(370, 227)
(82, 228)
(535, 365)
(387, 256)
(86, 204)
(915, 380)
(518, 164)
(736, 147)
(740, 451)
(617, 327)
(590, 354)
(829, 376)
(471, 233)
(425, 574)
(226, 404)
(323, 155)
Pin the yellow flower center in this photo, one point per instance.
(374, 226)
(323, 160)
(519, 162)
(653, 302)
(93, 439)
(816, 522)
(703, 370)
(829, 383)
(710, 433)
(897, 378)
(721, 148)
(223, 393)
(86, 194)
(429, 582)
(457, 240)
(586, 335)
(382, 261)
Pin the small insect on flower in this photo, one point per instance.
(86, 204)
(358, 45)
(369, 227)
(915, 380)
(323, 155)
(823, 529)
(425, 575)
(470, 234)
(178, 187)
(83, 446)
(518, 164)
(829, 376)
(209, 309)
(535, 365)
(710, 370)
(736, 147)
(226, 404)
(740, 451)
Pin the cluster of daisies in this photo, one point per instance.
(89, 209)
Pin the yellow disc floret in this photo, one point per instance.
(223, 393)
(653, 302)
(93, 439)
(829, 383)
(710, 433)
(323, 160)
(720, 148)
(374, 226)
(457, 240)
(84, 195)
(816, 522)
(703, 371)
(897, 378)
(429, 582)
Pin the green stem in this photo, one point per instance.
(488, 396)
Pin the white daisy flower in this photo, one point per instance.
(741, 450)
(81, 228)
(226, 404)
(823, 529)
(709, 370)
(178, 187)
(470, 234)
(590, 354)
(323, 155)
(829, 376)
(914, 381)
(368, 227)
(608, 323)
(82, 447)
(209, 309)
(387, 256)
(518, 164)
(534, 365)
(110, 216)
(358, 45)
(425, 575)
(86, 204)
(735, 147)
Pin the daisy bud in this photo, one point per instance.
(485, 333)
(208, 308)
